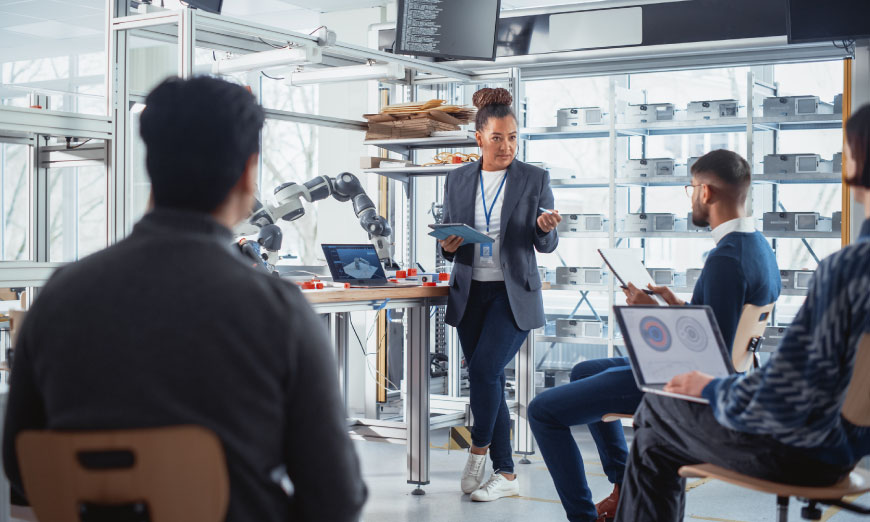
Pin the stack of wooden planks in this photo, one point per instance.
(416, 120)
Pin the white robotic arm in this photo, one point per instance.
(288, 206)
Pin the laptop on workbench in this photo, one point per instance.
(358, 265)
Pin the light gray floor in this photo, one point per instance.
(390, 498)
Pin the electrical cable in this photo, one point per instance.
(319, 28)
(366, 357)
(272, 45)
(272, 77)
(70, 147)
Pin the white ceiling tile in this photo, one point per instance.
(48, 9)
(96, 21)
(8, 20)
(52, 29)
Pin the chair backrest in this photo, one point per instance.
(753, 320)
(856, 407)
(179, 472)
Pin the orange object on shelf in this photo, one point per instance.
(444, 276)
(412, 272)
(401, 274)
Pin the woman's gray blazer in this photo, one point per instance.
(527, 188)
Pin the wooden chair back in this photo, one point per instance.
(155, 474)
(750, 329)
(856, 407)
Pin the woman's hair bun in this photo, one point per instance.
(488, 96)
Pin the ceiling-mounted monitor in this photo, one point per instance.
(831, 20)
(450, 29)
(212, 6)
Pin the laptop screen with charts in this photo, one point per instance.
(666, 341)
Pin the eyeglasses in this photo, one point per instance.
(690, 188)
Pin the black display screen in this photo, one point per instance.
(815, 21)
(462, 29)
(212, 6)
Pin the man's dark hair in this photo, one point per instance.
(728, 167)
(199, 134)
(858, 138)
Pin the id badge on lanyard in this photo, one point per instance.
(485, 253)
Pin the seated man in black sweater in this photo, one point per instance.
(172, 326)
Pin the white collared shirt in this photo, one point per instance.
(492, 180)
(746, 225)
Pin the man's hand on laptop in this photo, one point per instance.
(692, 383)
(451, 243)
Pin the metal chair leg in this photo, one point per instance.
(782, 509)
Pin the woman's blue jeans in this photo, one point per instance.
(490, 339)
(597, 387)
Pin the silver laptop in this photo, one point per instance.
(665, 341)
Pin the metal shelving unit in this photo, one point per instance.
(748, 123)
(404, 146)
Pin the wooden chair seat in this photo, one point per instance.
(857, 482)
(613, 417)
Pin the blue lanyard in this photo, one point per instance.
(488, 213)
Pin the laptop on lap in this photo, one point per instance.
(663, 342)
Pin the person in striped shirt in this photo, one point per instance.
(783, 422)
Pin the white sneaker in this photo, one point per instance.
(496, 487)
(472, 475)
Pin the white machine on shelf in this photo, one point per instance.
(660, 222)
(791, 222)
(776, 106)
(796, 279)
(648, 168)
(575, 328)
(578, 116)
(662, 276)
(796, 164)
(711, 109)
(575, 275)
(649, 112)
(581, 223)
(773, 335)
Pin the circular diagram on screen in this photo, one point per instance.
(692, 334)
(655, 333)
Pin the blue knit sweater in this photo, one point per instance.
(797, 396)
(740, 270)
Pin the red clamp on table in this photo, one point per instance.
(308, 286)
(430, 284)
(394, 280)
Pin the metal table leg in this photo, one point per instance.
(339, 329)
(525, 441)
(417, 402)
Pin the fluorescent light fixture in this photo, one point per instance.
(283, 57)
(378, 71)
